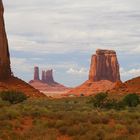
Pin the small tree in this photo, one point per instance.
(131, 100)
(100, 100)
(13, 97)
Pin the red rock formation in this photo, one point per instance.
(104, 72)
(14, 83)
(130, 86)
(104, 66)
(5, 70)
(89, 88)
(36, 73)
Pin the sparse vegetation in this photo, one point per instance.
(70, 119)
(102, 100)
(131, 100)
(13, 97)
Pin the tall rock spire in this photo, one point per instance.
(36, 73)
(104, 66)
(5, 70)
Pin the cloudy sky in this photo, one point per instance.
(63, 34)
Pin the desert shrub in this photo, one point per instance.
(13, 97)
(99, 100)
(102, 100)
(3, 103)
(131, 100)
(59, 123)
(111, 104)
(8, 114)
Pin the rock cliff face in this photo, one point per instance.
(36, 73)
(104, 66)
(5, 70)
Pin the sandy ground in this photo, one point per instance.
(55, 94)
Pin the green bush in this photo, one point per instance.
(13, 97)
(102, 100)
(131, 100)
(99, 100)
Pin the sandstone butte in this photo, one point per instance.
(103, 74)
(47, 82)
(7, 80)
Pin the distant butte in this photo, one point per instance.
(47, 82)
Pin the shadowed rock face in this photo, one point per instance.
(104, 66)
(5, 70)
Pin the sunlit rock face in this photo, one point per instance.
(5, 70)
(104, 66)
(103, 74)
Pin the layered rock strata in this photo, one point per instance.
(104, 66)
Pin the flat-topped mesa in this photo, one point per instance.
(5, 70)
(105, 52)
(36, 73)
(104, 66)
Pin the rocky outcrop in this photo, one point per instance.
(103, 74)
(104, 66)
(130, 86)
(5, 70)
(14, 83)
(36, 73)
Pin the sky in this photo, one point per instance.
(63, 34)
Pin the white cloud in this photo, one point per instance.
(20, 65)
(78, 72)
(130, 73)
(45, 26)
